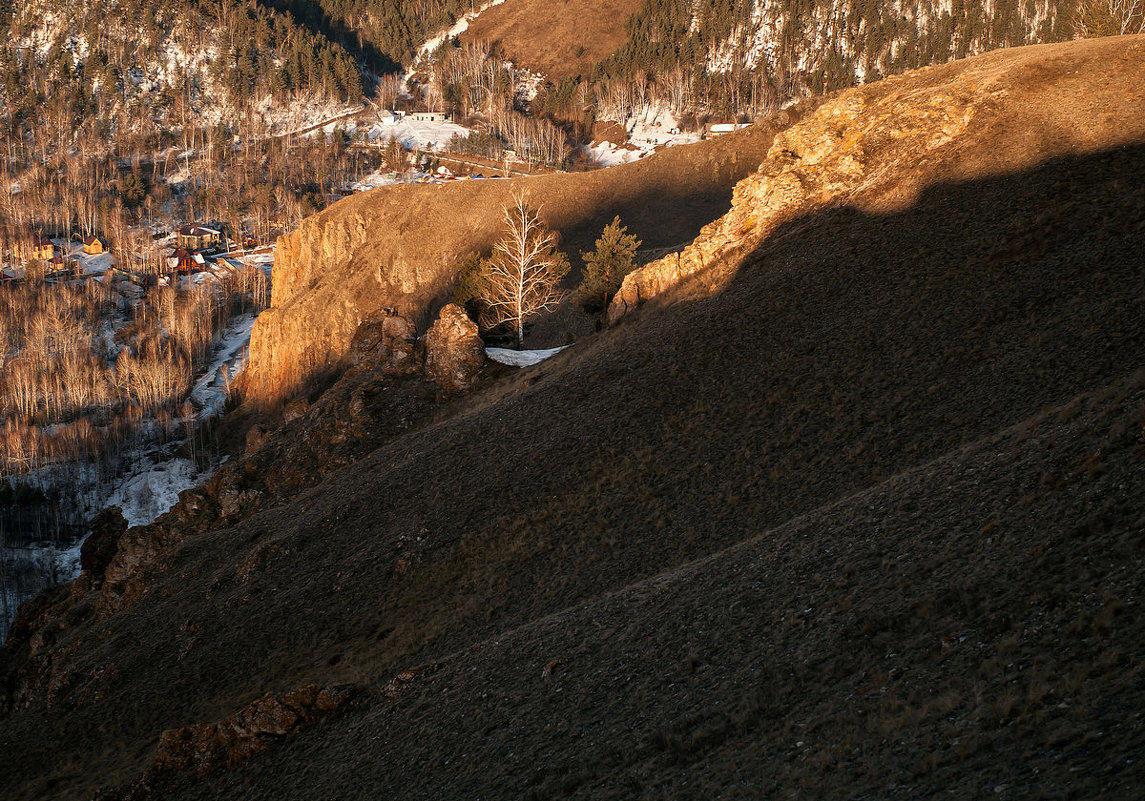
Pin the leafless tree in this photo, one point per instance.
(1111, 17)
(521, 277)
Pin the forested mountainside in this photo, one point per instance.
(731, 56)
(145, 68)
(387, 34)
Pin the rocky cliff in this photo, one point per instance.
(398, 246)
(877, 147)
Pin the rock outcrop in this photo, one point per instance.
(876, 147)
(454, 353)
(398, 246)
(839, 149)
(197, 751)
(387, 341)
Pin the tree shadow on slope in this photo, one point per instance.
(848, 348)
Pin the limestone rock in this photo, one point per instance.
(454, 353)
(386, 341)
(848, 145)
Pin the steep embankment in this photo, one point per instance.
(877, 147)
(868, 517)
(400, 246)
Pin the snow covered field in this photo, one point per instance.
(417, 134)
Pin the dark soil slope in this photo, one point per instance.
(866, 523)
(966, 629)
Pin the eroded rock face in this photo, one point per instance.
(846, 146)
(197, 751)
(454, 352)
(386, 341)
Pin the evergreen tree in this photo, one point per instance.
(605, 267)
(134, 190)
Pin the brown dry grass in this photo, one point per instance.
(866, 523)
(555, 37)
(400, 246)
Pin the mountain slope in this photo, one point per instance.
(746, 520)
(926, 637)
(554, 37)
(400, 246)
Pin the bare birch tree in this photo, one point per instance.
(520, 279)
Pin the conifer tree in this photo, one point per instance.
(605, 267)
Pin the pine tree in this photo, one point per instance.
(605, 267)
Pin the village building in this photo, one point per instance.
(429, 116)
(93, 246)
(42, 249)
(183, 261)
(197, 237)
(61, 266)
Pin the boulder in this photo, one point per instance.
(454, 353)
(386, 341)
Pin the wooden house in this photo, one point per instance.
(183, 261)
(197, 237)
(43, 249)
(93, 246)
(429, 116)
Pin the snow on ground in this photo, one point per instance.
(380, 177)
(89, 265)
(67, 560)
(419, 134)
(521, 358)
(301, 113)
(210, 392)
(459, 27)
(263, 259)
(145, 495)
(649, 130)
(607, 154)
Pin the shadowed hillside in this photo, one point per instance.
(869, 517)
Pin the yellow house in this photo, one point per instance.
(42, 249)
(93, 246)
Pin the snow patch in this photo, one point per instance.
(650, 129)
(459, 27)
(146, 495)
(521, 358)
(417, 134)
(210, 392)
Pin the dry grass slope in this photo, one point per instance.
(867, 522)
(557, 38)
(400, 246)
